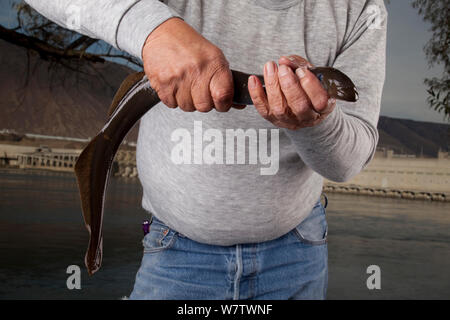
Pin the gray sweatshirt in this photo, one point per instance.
(228, 178)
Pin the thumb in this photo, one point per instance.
(222, 89)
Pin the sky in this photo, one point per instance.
(404, 93)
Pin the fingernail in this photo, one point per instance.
(300, 72)
(283, 70)
(270, 68)
(252, 82)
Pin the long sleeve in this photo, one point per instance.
(124, 24)
(344, 143)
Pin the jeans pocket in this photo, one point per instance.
(314, 229)
(160, 237)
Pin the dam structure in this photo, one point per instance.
(388, 175)
(59, 159)
(400, 176)
(44, 158)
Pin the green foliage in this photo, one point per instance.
(437, 51)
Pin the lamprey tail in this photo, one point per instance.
(129, 82)
(90, 176)
(94, 164)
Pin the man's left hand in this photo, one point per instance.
(293, 100)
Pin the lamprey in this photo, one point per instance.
(133, 99)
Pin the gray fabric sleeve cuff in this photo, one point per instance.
(138, 22)
(316, 134)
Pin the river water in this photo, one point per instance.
(42, 233)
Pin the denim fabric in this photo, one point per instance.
(294, 266)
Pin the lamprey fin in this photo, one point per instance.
(125, 86)
(85, 173)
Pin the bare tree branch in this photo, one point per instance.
(48, 51)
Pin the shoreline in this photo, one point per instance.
(38, 172)
(327, 188)
(387, 193)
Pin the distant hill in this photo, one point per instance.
(413, 137)
(71, 104)
(54, 101)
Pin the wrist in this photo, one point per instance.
(168, 26)
(138, 22)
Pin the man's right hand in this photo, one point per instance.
(187, 70)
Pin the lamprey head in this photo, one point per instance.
(337, 83)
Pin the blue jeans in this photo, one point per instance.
(294, 266)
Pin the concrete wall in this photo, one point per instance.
(13, 150)
(386, 171)
(400, 177)
(431, 175)
(60, 159)
(26, 157)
